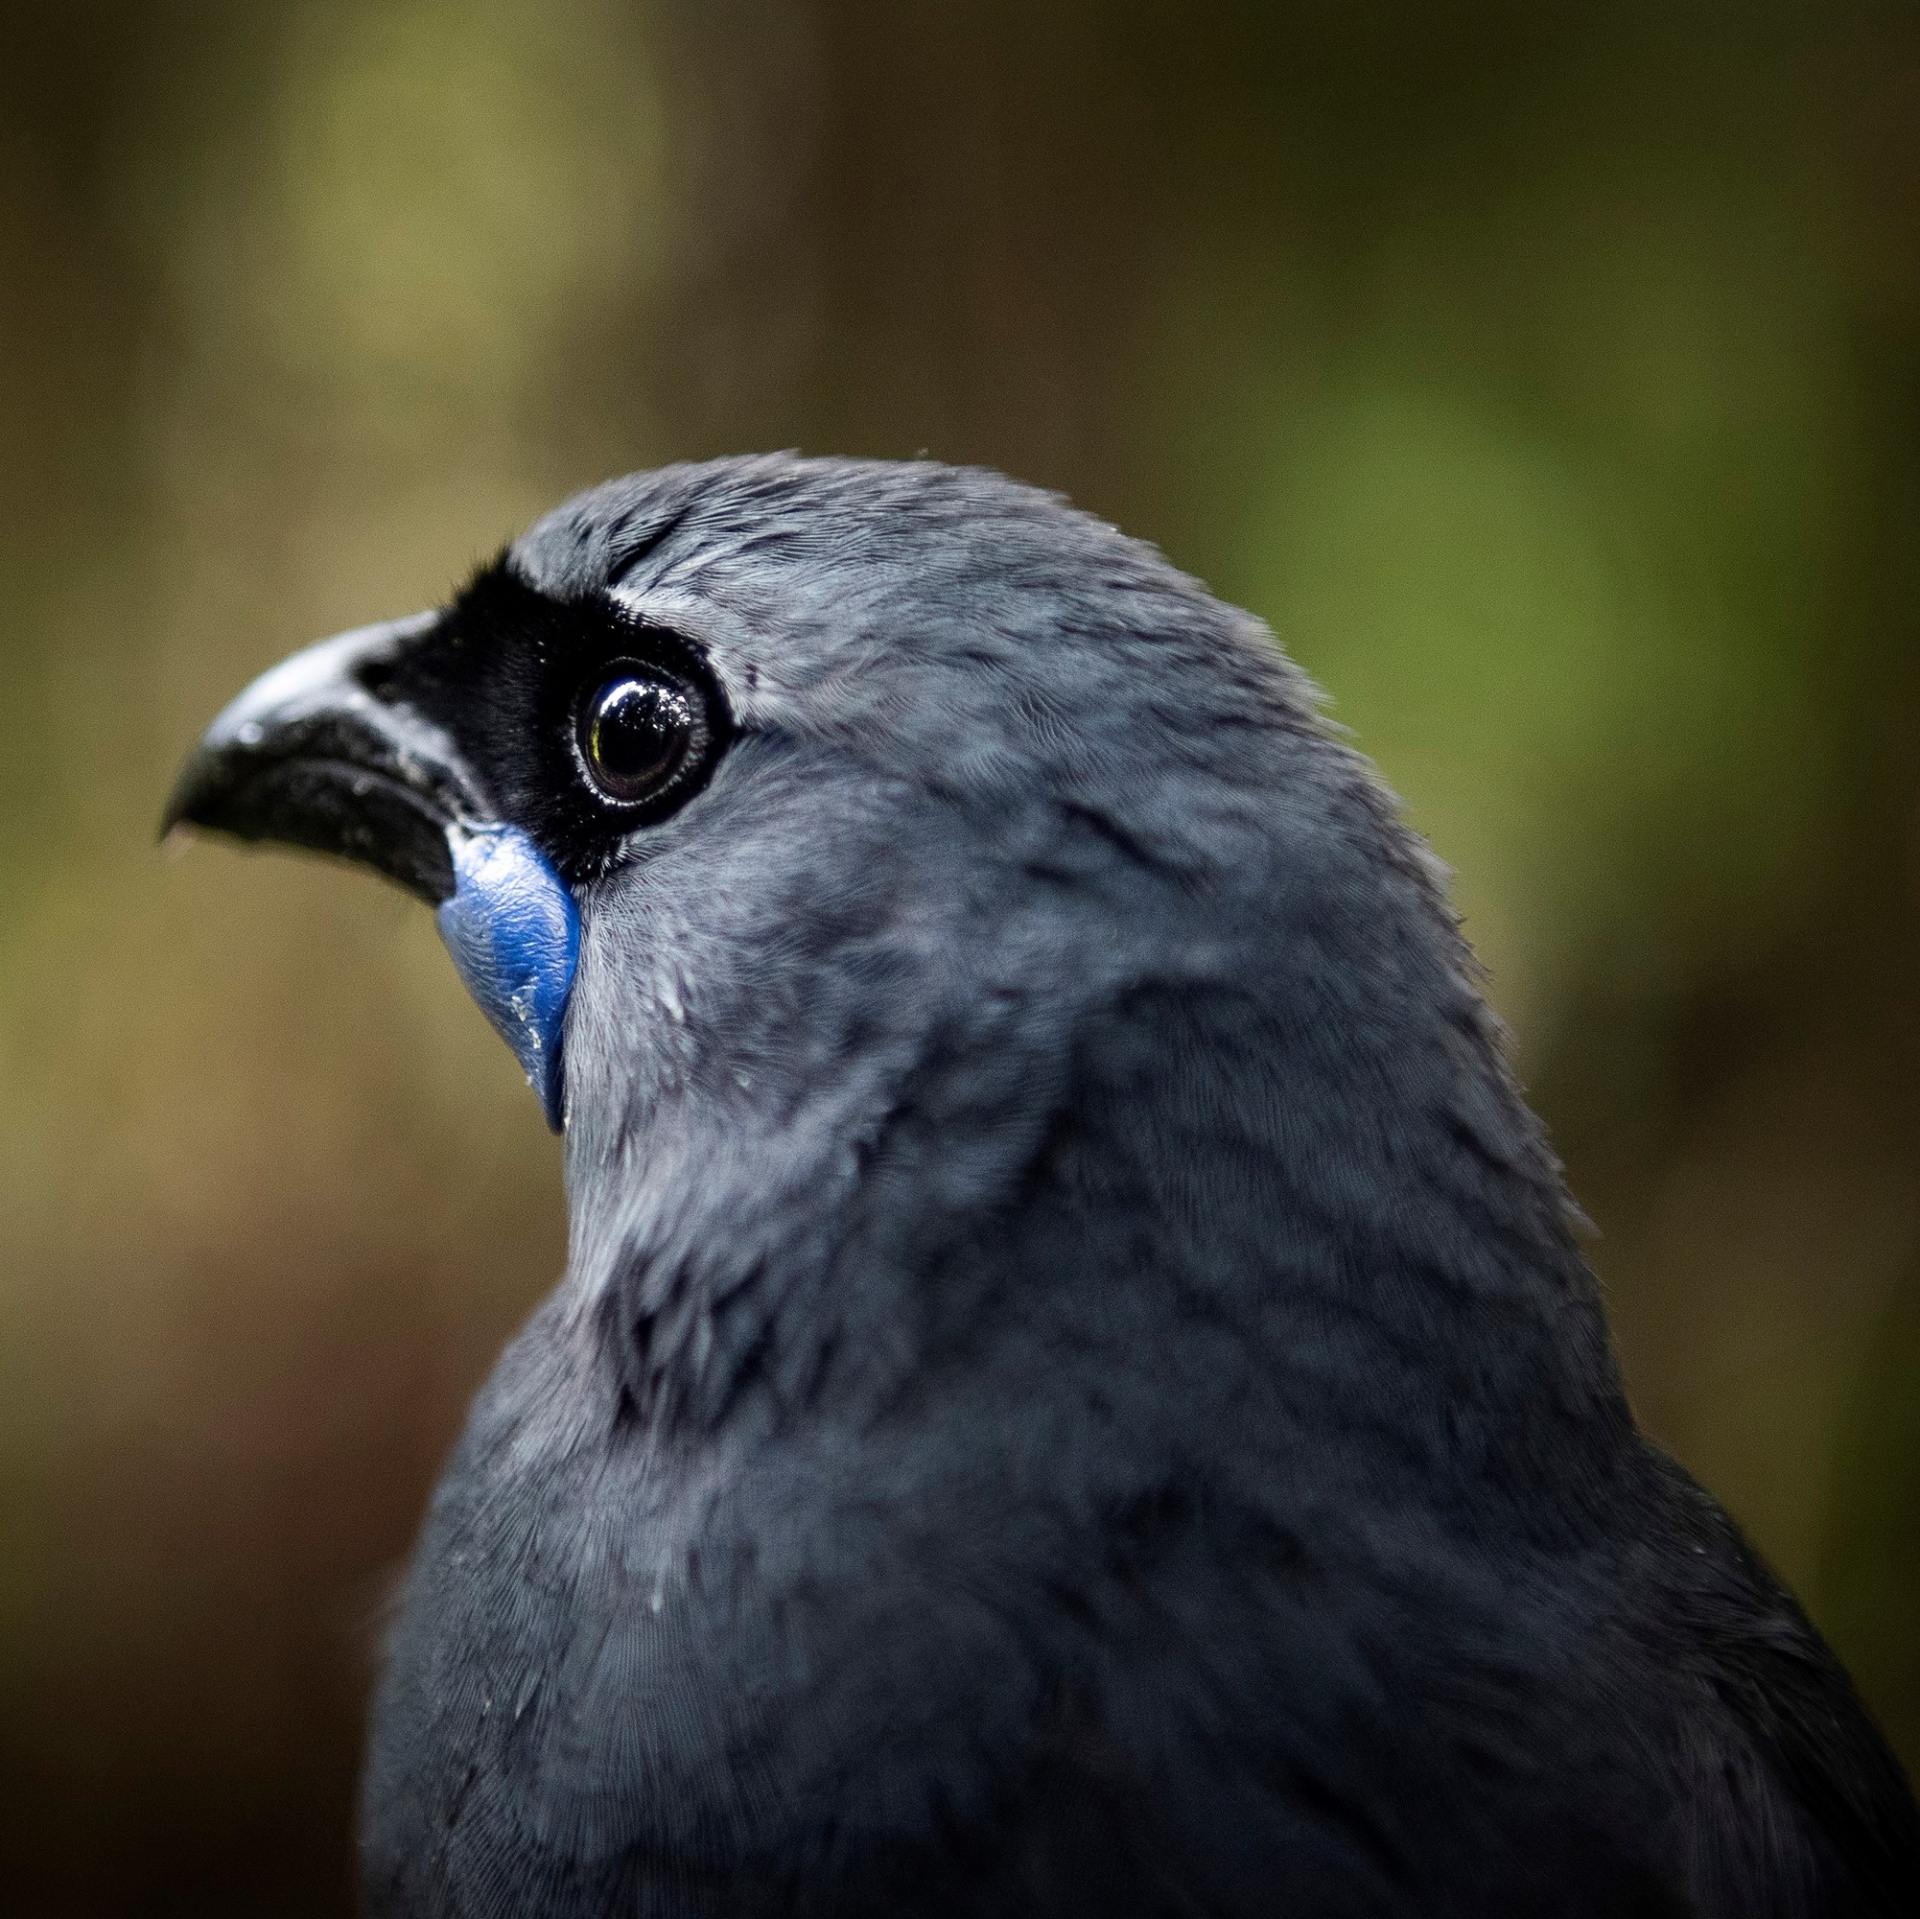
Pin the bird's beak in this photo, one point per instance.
(312, 755)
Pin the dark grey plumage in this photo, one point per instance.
(1074, 1391)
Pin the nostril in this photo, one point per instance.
(375, 676)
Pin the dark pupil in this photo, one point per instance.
(634, 733)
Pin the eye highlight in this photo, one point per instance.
(639, 730)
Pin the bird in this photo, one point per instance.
(1076, 1389)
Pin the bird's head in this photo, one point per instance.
(854, 854)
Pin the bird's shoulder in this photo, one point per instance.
(1792, 1801)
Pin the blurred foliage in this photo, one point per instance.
(1549, 377)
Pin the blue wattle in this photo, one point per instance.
(514, 933)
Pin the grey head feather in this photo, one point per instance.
(1004, 781)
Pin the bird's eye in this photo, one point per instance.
(638, 728)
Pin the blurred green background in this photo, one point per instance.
(1548, 376)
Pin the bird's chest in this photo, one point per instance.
(608, 1657)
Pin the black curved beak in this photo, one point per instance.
(311, 755)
